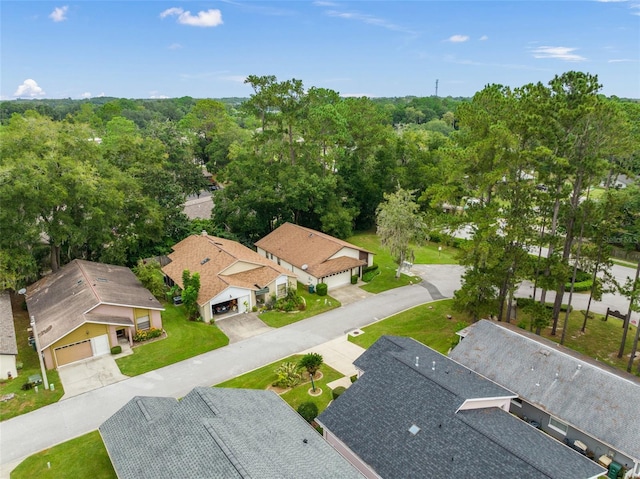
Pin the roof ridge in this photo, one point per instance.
(226, 450)
(556, 348)
(86, 278)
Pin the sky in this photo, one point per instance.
(206, 49)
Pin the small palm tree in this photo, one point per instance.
(311, 362)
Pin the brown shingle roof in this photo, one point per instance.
(298, 246)
(214, 258)
(59, 302)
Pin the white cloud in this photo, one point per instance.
(86, 94)
(483, 38)
(29, 89)
(320, 3)
(622, 60)
(209, 18)
(155, 95)
(100, 95)
(175, 46)
(59, 14)
(560, 53)
(369, 20)
(458, 38)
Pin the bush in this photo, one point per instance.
(366, 269)
(290, 302)
(579, 286)
(311, 362)
(354, 279)
(367, 277)
(254, 308)
(116, 349)
(338, 391)
(288, 375)
(26, 386)
(146, 335)
(353, 378)
(321, 289)
(308, 410)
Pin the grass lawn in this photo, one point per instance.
(425, 254)
(184, 340)
(25, 401)
(84, 456)
(263, 377)
(601, 340)
(427, 324)
(315, 305)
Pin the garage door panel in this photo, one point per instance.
(76, 352)
(338, 280)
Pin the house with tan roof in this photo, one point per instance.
(313, 256)
(233, 278)
(86, 308)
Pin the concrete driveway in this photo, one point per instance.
(90, 374)
(242, 326)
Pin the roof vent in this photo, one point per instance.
(102, 280)
(433, 366)
(304, 267)
(414, 429)
(417, 361)
(206, 260)
(204, 233)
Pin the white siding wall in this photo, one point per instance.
(348, 252)
(8, 365)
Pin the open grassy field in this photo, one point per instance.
(82, 457)
(315, 305)
(25, 401)
(184, 340)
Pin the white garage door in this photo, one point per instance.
(338, 280)
(100, 345)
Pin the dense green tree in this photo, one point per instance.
(400, 223)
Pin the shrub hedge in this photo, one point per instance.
(116, 349)
(321, 289)
(338, 391)
(308, 410)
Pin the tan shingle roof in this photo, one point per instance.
(298, 246)
(59, 302)
(212, 258)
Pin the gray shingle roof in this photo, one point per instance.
(59, 301)
(8, 343)
(218, 433)
(569, 386)
(374, 415)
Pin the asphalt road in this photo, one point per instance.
(69, 418)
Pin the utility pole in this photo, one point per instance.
(437, 88)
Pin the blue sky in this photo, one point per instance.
(205, 49)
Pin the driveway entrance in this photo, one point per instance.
(242, 326)
(94, 373)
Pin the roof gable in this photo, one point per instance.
(211, 257)
(376, 415)
(300, 246)
(215, 432)
(561, 382)
(59, 301)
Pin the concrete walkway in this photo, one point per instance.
(59, 422)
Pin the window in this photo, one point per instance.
(558, 426)
(282, 290)
(516, 402)
(143, 323)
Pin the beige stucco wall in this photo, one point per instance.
(239, 267)
(502, 403)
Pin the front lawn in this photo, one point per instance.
(263, 377)
(427, 324)
(25, 401)
(425, 254)
(84, 456)
(184, 340)
(315, 305)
